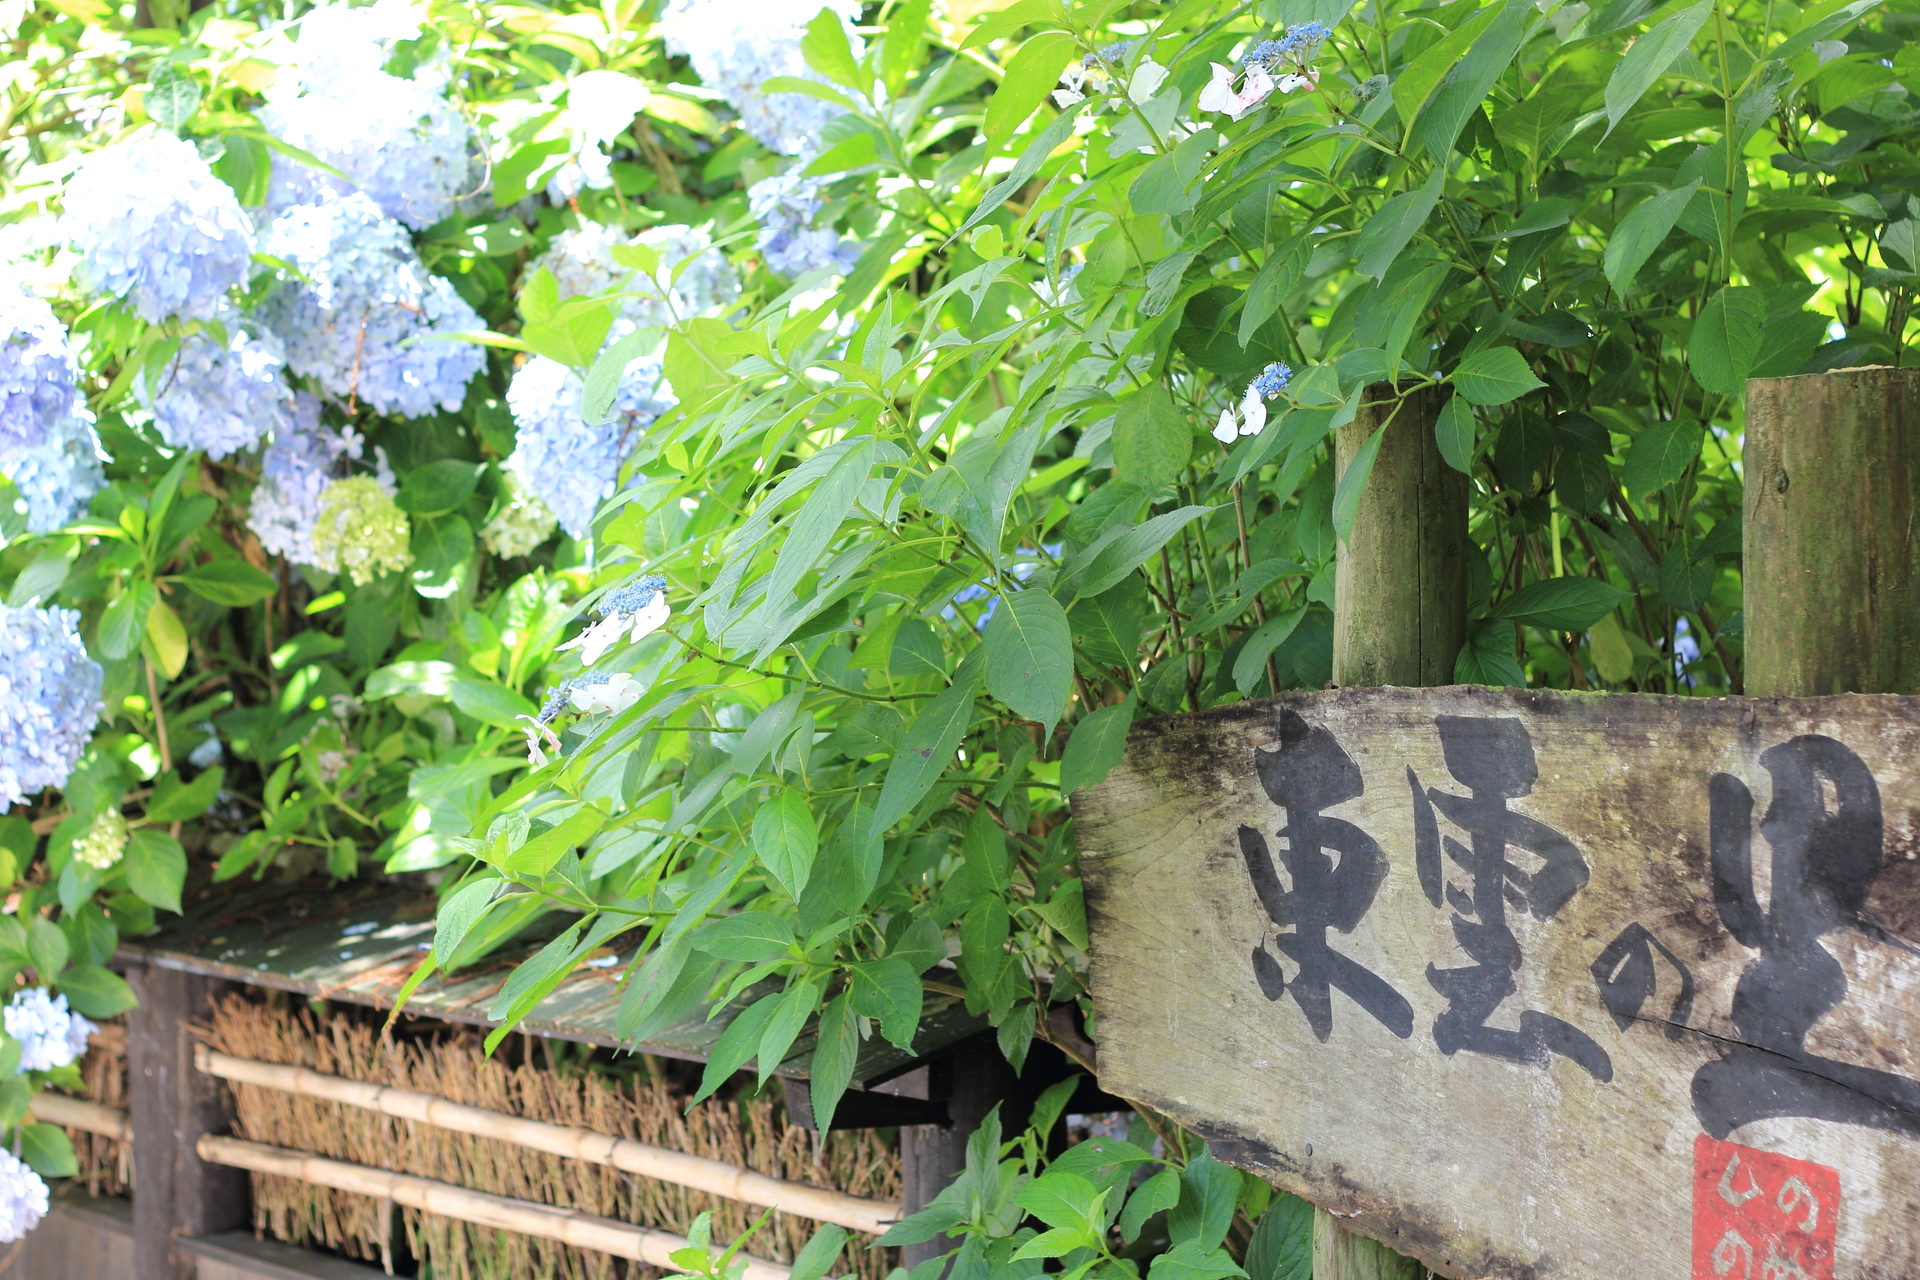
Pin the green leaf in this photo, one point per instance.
(1560, 604)
(47, 1150)
(1353, 483)
(1660, 455)
(1607, 647)
(156, 867)
(458, 914)
(1494, 375)
(1030, 76)
(784, 1025)
(1123, 549)
(1641, 232)
(834, 1055)
(172, 96)
(888, 991)
(1029, 662)
(1156, 1195)
(1543, 215)
(1281, 271)
(1821, 29)
(1189, 1260)
(1466, 86)
(441, 547)
(822, 1250)
(490, 703)
(1096, 745)
(603, 376)
(1151, 442)
(95, 991)
(1394, 224)
(1453, 432)
(1726, 339)
(1209, 1192)
(47, 947)
(1251, 662)
(786, 840)
(438, 487)
(827, 50)
(1419, 78)
(1648, 59)
(740, 1041)
(752, 936)
(173, 801)
(124, 624)
(1037, 153)
(228, 580)
(1061, 1200)
(1170, 184)
(1282, 1245)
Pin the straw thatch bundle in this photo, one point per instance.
(750, 1131)
(106, 1164)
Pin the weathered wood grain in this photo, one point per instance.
(1575, 1156)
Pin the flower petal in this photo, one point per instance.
(1147, 79)
(1225, 431)
(1218, 94)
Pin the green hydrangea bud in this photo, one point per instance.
(104, 843)
(360, 532)
(522, 523)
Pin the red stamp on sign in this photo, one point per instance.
(1761, 1216)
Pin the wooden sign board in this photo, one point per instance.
(1533, 984)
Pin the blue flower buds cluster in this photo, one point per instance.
(396, 140)
(39, 380)
(154, 226)
(49, 699)
(1272, 380)
(1296, 48)
(786, 206)
(219, 396)
(631, 597)
(568, 464)
(362, 323)
(298, 466)
(737, 45)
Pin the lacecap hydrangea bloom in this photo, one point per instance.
(582, 263)
(105, 842)
(39, 378)
(49, 699)
(786, 206)
(298, 467)
(363, 323)
(1099, 73)
(50, 1036)
(219, 396)
(58, 477)
(1285, 64)
(565, 462)
(360, 531)
(737, 45)
(23, 1198)
(522, 521)
(154, 226)
(402, 144)
(635, 610)
(1252, 417)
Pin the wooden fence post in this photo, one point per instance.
(1399, 617)
(175, 1192)
(1832, 532)
(931, 1156)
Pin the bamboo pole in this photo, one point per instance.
(819, 1204)
(568, 1226)
(78, 1113)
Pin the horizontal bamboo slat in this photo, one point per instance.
(569, 1226)
(820, 1204)
(78, 1113)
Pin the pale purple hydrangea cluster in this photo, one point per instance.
(737, 45)
(153, 225)
(49, 699)
(58, 477)
(368, 321)
(298, 466)
(786, 206)
(219, 396)
(399, 142)
(39, 379)
(50, 1034)
(23, 1198)
(568, 464)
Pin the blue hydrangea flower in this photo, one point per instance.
(153, 225)
(785, 207)
(1252, 418)
(219, 397)
(402, 144)
(39, 380)
(50, 1035)
(58, 477)
(567, 464)
(363, 322)
(340, 41)
(737, 45)
(299, 465)
(49, 699)
(582, 262)
(23, 1198)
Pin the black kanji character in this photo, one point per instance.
(1310, 772)
(1826, 855)
(1494, 758)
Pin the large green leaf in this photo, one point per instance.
(156, 867)
(1649, 57)
(1394, 224)
(228, 580)
(1660, 455)
(1151, 441)
(786, 840)
(1561, 604)
(1726, 339)
(1031, 74)
(1098, 743)
(1494, 375)
(1029, 664)
(1640, 233)
(927, 749)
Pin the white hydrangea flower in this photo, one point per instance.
(153, 225)
(50, 1036)
(49, 699)
(362, 322)
(219, 397)
(105, 842)
(737, 45)
(23, 1198)
(522, 523)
